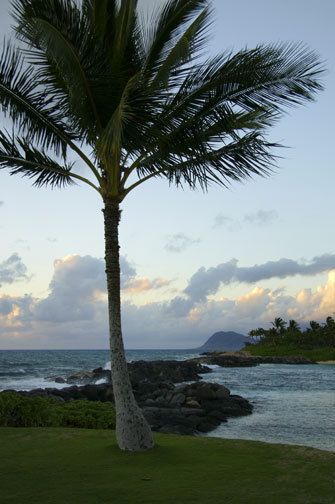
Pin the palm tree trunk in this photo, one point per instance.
(132, 430)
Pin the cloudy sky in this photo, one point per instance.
(192, 264)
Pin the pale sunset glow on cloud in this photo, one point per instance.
(77, 304)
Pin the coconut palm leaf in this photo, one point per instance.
(247, 156)
(166, 26)
(33, 112)
(21, 159)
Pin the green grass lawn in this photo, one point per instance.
(71, 466)
(316, 354)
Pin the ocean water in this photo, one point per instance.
(292, 404)
(28, 369)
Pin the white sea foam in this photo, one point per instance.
(30, 383)
(213, 366)
(99, 382)
(107, 366)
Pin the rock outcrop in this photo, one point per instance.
(156, 371)
(192, 408)
(182, 409)
(242, 359)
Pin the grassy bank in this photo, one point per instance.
(316, 354)
(53, 466)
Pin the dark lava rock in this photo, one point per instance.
(163, 370)
(285, 359)
(241, 359)
(140, 371)
(187, 408)
(195, 407)
(182, 409)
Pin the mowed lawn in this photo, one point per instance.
(71, 466)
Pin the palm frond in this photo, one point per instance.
(272, 77)
(102, 16)
(19, 158)
(222, 97)
(60, 44)
(142, 97)
(166, 26)
(35, 114)
(188, 45)
(248, 155)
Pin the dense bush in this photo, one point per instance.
(24, 411)
(86, 414)
(19, 411)
(290, 334)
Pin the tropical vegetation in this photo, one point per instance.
(18, 410)
(317, 341)
(93, 95)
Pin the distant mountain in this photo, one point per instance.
(224, 341)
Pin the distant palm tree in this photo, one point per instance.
(134, 102)
(279, 324)
(293, 325)
(330, 323)
(257, 334)
(315, 326)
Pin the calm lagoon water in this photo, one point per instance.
(292, 404)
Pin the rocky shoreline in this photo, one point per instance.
(169, 405)
(242, 359)
(172, 394)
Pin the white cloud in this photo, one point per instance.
(16, 315)
(180, 242)
(12, 270)
(74, 314)
(261, 217)
(138, 285)
(77, 284)
(221, 220)
(208, 281)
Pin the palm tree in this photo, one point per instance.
(279, 324)
(293, 326)
(134, 101)
(257, 334)
(315, 326)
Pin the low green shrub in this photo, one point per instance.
(25, 411)
(86, 414)
(22, 411)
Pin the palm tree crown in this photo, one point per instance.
(142, 97)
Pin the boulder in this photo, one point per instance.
(183, 409)
(163, 370)
(177, 399)
(192, 403)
